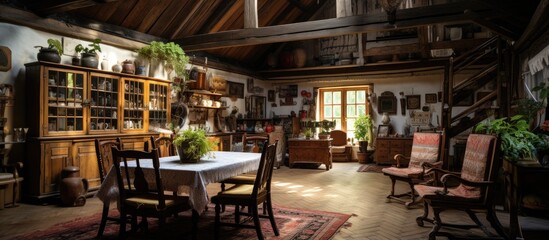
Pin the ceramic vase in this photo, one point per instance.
(385, 119)
(116, 68)
(73, 188)
(48, 55)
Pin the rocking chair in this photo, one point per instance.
(474, 193)
(427, 152)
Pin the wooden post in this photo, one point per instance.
(250, 14)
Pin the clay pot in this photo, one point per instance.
(48, 55)
(89, 60)
(116, 68)
(300, 57)
(286, 59)
(128, 67)
(73, 188)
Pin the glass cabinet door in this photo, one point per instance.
(158, 105)
(104, 108)
(64, 101)
(134, 104)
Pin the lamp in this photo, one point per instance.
(390, 7)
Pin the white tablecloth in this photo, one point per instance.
(196, 176)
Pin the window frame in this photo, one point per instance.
(343, 90)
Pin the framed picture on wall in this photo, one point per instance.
(235, 89)
(431, 98)
(413, 101)
(387, 103)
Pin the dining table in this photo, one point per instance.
(191, 177)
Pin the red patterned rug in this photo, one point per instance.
(371, 168)
(292, 224)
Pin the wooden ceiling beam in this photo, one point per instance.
(117, 36)
(504, 32)
(406, 18)
(45, 8)
(538, 24)
(214, 18)
(352, 70)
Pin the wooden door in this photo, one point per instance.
(56, 156)
(84, 156)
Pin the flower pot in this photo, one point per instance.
(183, 157)
(128, 67)
(48, 55)
(89, 60)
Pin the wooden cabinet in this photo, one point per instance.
(388, 147)
(223, 142)
(310, 151)
(70, 106)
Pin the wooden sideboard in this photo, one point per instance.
(388, 147)
(310, 151)
(523, 178)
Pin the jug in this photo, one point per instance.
(73, 188)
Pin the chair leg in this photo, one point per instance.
(104, 216)
(257, 224)
(393, 182)
(420, 219)
(412, 195)
(195, 217)
(217, 220)
(237, 214)
(122, 228)
(437, 224)
(267, 204)
(223, 189)
(494, 222)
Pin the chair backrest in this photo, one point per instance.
(427, 147)
(104, 155)
(255, 139)
(478, 165)
(163, 144)
(135, 182)
(265, 171)
(339, 138)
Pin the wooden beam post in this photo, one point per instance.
(250, 14)
(344, 8)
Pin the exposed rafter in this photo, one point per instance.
(406, 18)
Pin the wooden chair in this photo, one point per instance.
(246, 178)
(427, 152)
(255, 139)
(474, 193)
(164, 144)
(135, 197)
(104, 162)
(9, 176)
(340, 151)
(250, 196)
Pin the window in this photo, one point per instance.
(343, 105)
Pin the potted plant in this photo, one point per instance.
(363, 131)
(89, 56)
(517, 142)
(52, 53)
(326, 127)
(170, 54)
(192, 144)
(308, 133)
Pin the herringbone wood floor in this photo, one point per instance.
(341, 189)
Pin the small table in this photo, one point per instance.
(310, 151)
(196, 176)
(522, 177)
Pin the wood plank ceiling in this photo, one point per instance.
(194, 20)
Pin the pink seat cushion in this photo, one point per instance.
(402, 172)
(338, 149)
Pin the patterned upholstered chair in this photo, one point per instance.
(427, 152)
(474, 193)
(340, 153)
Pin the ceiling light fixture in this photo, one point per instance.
(390, 7)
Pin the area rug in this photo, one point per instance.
(371, 168)
(292, 224)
